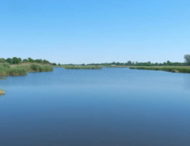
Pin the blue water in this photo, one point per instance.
(108, 107)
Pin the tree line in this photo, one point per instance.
(131, 63)
(17, 60)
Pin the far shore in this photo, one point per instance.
(175, 69)
(172, 68)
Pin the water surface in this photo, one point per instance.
(108, 107)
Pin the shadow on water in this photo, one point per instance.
(2, 92)
(2, 96)
(3, 78)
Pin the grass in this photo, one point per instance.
(23, 69)
(2, 92)
(40, 68)
(180, 69)
(82, 67)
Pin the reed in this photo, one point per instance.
(17, 71)
(23, 69)
(40, 68)
(180, 69)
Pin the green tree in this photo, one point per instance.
(30, 60)
(187, 59)
(9, 60)
(16, 60)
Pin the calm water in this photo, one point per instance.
(109, 107)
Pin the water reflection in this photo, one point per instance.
(186, 78)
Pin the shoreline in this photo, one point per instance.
(7, 70)
(173, 69)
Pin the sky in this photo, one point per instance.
(89, 31)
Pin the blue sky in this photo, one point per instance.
(85, 31)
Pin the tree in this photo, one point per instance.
(30, 60)
(187, 59)
(16, 60)
(9, 60)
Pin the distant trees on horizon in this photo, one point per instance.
(131, 63)
(17, 60)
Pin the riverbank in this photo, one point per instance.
(176, 69)
(22, 70)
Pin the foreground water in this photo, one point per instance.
(109, 107)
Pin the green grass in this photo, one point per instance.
(82, 67)
(17, 71)
(40, 68)
(180, 69)
(23, 69)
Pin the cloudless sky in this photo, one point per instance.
(86, 31)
